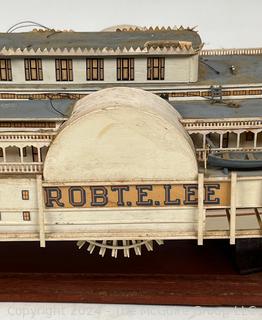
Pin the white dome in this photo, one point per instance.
(121, 134)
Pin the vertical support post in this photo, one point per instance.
(38, 155)
(41, 217)
(204, 151)
(205, 159)
(4, 154)
(238, 139)
(204, 141)
(21, 155)
(233, 208)
(255, 139)
(221, 140)
(201, 212)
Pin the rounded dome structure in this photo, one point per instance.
(121, 134)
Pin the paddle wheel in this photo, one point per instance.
(118, 245)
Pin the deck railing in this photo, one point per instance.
(220, 124)
(234, 51)
(22, 136)
(21, 168)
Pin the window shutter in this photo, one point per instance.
(149, 68)
(119, 68)
(9, 70)
(57, 68)
(40, 69)
(88, 69)
(101, 69)
(70, 70)
(132, 69)
(162, 68)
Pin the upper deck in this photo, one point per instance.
(167, 61)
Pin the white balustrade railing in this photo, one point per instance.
(4, 136)
(221, 124)
(225, 52)
(30, 167)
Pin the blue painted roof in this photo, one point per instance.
(204, 109)
(35, 109)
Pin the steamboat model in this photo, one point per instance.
(129, 136)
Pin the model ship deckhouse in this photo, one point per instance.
(122, 139)
(86, 60)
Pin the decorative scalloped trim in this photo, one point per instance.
(180, 47)
(158, 44)
(157, 28)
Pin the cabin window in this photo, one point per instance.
(95, 69)
(155, 68)
(25, 194)
(35, 154)
(225, 140)
(26, 216)
(125, 69)
(64, 69)
(24, 152)
(33, 70)
(5, 70)
(249, 136)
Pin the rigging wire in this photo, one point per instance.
(209, 66)
(21, 27)
(56, 110)
(22, 24)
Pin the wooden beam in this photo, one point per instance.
(258, 218)
(41, 217)
(4, 154)
(233, 208)
(221, 140)
(255, 139)
(201, 213)
(228, 215)
(238, 139)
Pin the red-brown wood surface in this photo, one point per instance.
(177, 273)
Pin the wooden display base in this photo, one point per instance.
(178, 272)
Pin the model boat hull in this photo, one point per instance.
(236, 160)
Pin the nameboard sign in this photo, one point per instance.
(139, 195)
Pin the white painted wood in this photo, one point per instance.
(250, 191)
(178, 68)
(220, 140)
(181, 69)
(19, 168)
(238, 139)
(147, 221)
(255, 139)
(201, 213)
(11, 194)
(233, 51)
(259, 220)
(41, 215)
(119, 215)
(233, 201)
(125, 223)
(132, 135)
(112, 183)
